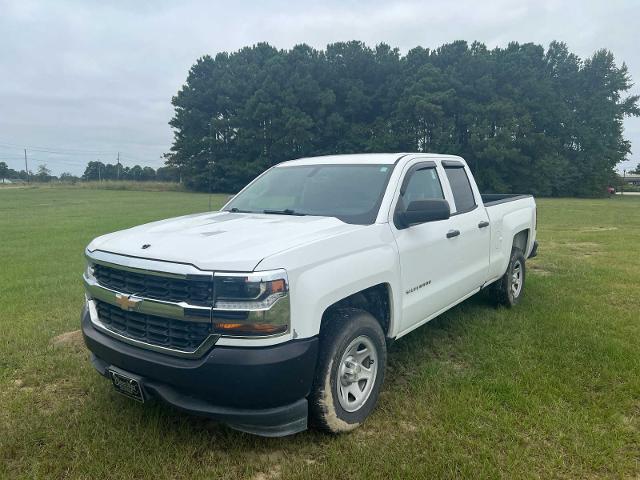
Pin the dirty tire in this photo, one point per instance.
(504, 291)
(346, 327)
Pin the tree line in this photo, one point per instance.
(42, 174)
(110, 171)
(526, 118)
(94, 171)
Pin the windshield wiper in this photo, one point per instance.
(237, 210)
(286, 211)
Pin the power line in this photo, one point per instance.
(26, 165)
(77, 162)
(136, 159)
(60, 150)
(42, 160)
(12, 156)
(71, 151)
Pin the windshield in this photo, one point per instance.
(351, 193)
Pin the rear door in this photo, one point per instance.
(470, 230)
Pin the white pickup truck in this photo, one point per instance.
(275, 312)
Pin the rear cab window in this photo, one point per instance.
(460, 188)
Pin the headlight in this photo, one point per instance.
(251, 304)
(249, 291)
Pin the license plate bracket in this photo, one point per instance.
(126, 384)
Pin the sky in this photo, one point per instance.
(82, 80)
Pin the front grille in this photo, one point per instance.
(164, 332)
(192, 291)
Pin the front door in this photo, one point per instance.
(426, 254)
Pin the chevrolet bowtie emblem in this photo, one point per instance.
(127, 302)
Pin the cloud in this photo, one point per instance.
(99, 76)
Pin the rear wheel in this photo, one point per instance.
(350, 371)
(509, 289)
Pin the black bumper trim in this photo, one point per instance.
(268, 422)
(260, 390)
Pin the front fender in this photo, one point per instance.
(322, 273)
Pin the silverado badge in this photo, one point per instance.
(127, 302)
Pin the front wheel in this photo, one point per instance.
(350, 371)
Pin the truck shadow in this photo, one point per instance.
(438, 341)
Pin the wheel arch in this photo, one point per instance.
(521, 240)
(376, 300)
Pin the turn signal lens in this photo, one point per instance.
(278, 286)
(249, 329)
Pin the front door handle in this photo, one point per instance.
(483, 224)
(453, 233)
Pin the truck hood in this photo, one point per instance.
(220, 240)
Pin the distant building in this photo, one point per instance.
(632, 178)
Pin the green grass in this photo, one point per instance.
(548, 389)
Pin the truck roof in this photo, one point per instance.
(362, 158)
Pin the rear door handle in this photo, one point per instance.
(483, 224)
(453, 233)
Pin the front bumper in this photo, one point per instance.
(257, 390)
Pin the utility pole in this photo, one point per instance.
(26, 165)
(210, 179)
(99, 172)
(118, 168)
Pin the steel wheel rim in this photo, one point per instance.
(357, 373)
(516, 279)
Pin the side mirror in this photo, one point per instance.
(422, 211)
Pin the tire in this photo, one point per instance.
(509, 289)
(334, 403)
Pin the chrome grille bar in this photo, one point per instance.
(148, 306)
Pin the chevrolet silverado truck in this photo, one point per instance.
(275, 312)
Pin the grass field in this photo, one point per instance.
(550, 389)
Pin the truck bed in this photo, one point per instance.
(490, 199)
